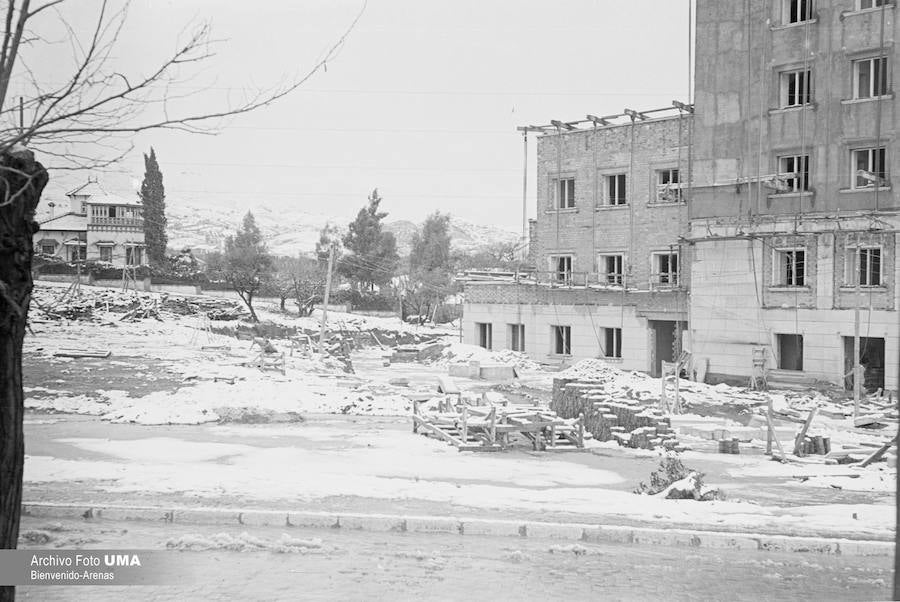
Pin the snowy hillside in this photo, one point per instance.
(205, 229)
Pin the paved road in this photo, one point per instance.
(352, 565)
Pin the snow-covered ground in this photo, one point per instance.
(177, 372)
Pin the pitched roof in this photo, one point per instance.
(70, 222)
(98, 196)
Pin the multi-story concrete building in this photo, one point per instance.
(607, 247)
(98, 226)
(794, 212)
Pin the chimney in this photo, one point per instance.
(51, 204)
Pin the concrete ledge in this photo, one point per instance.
(619, 534)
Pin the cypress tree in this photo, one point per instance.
(153, 195)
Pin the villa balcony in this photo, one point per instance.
(126, 222)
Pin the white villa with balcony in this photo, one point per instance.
(98, 226)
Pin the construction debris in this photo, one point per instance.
(493, 427)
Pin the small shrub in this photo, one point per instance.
(670, 470)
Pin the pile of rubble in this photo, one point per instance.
(631, 422)
(92, 304)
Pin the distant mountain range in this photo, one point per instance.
(205, 229)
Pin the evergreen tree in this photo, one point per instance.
(153, 196)
(431, 245)
(371, 254)
(247, 262)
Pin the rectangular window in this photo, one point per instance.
(797, 11)
(562, 340)
(870, 77)
(561, 266)
(866, 269)
(563, 192)
(791, 267)
(793, 173)
(668, 186)
(517, 337)
(665, 269)
(483, 331)
(106, 254)
(790, 351)
(869, 167)
(48, 248)
(796, 88)
(616, 193)
(612, 269)
(866, 4)
(77, 253)
(613, 342)
(133, 256)
(112, 211)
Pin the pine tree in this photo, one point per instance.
(247, 262)
(153, 195)
(371, 254)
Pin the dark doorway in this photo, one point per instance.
(663, 334)
(790, 351)
(871, 355)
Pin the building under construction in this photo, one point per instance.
(756, 227)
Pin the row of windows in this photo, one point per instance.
(862, 265)
(133, 255)
(801, 11)
(870, 80)
(611, 268)
(615, 189)
(868, 169)
(560, 339)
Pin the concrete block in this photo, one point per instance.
(493, 528)
(52, 511)
(316, 520)
(124, 513)
(263, 518)
(728, 541)
(206, 516)
(555, 531)
(372, 523)
(496, 372)
(433, 525)
(866, 548)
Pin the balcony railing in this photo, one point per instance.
(560, 279)
(136, 222)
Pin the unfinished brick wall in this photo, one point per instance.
(592, 226)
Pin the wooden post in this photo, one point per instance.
(325, 300)
(769, 421)
(856, 379)
(798, 442)
(464, 422)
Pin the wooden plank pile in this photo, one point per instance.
(493, 427)
(632, 423)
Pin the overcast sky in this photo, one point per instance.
(422, 102)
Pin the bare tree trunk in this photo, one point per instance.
(248, 301)
(22, 180)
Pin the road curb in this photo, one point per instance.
(591, 533)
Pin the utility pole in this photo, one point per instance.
(525, 196)
(325, 300)
(855, 370)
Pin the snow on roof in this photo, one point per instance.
(98, 196)
(70, 222)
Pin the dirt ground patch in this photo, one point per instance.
(84, 376)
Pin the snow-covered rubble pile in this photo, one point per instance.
(461, 353)
(638, 385)
(93, 303)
